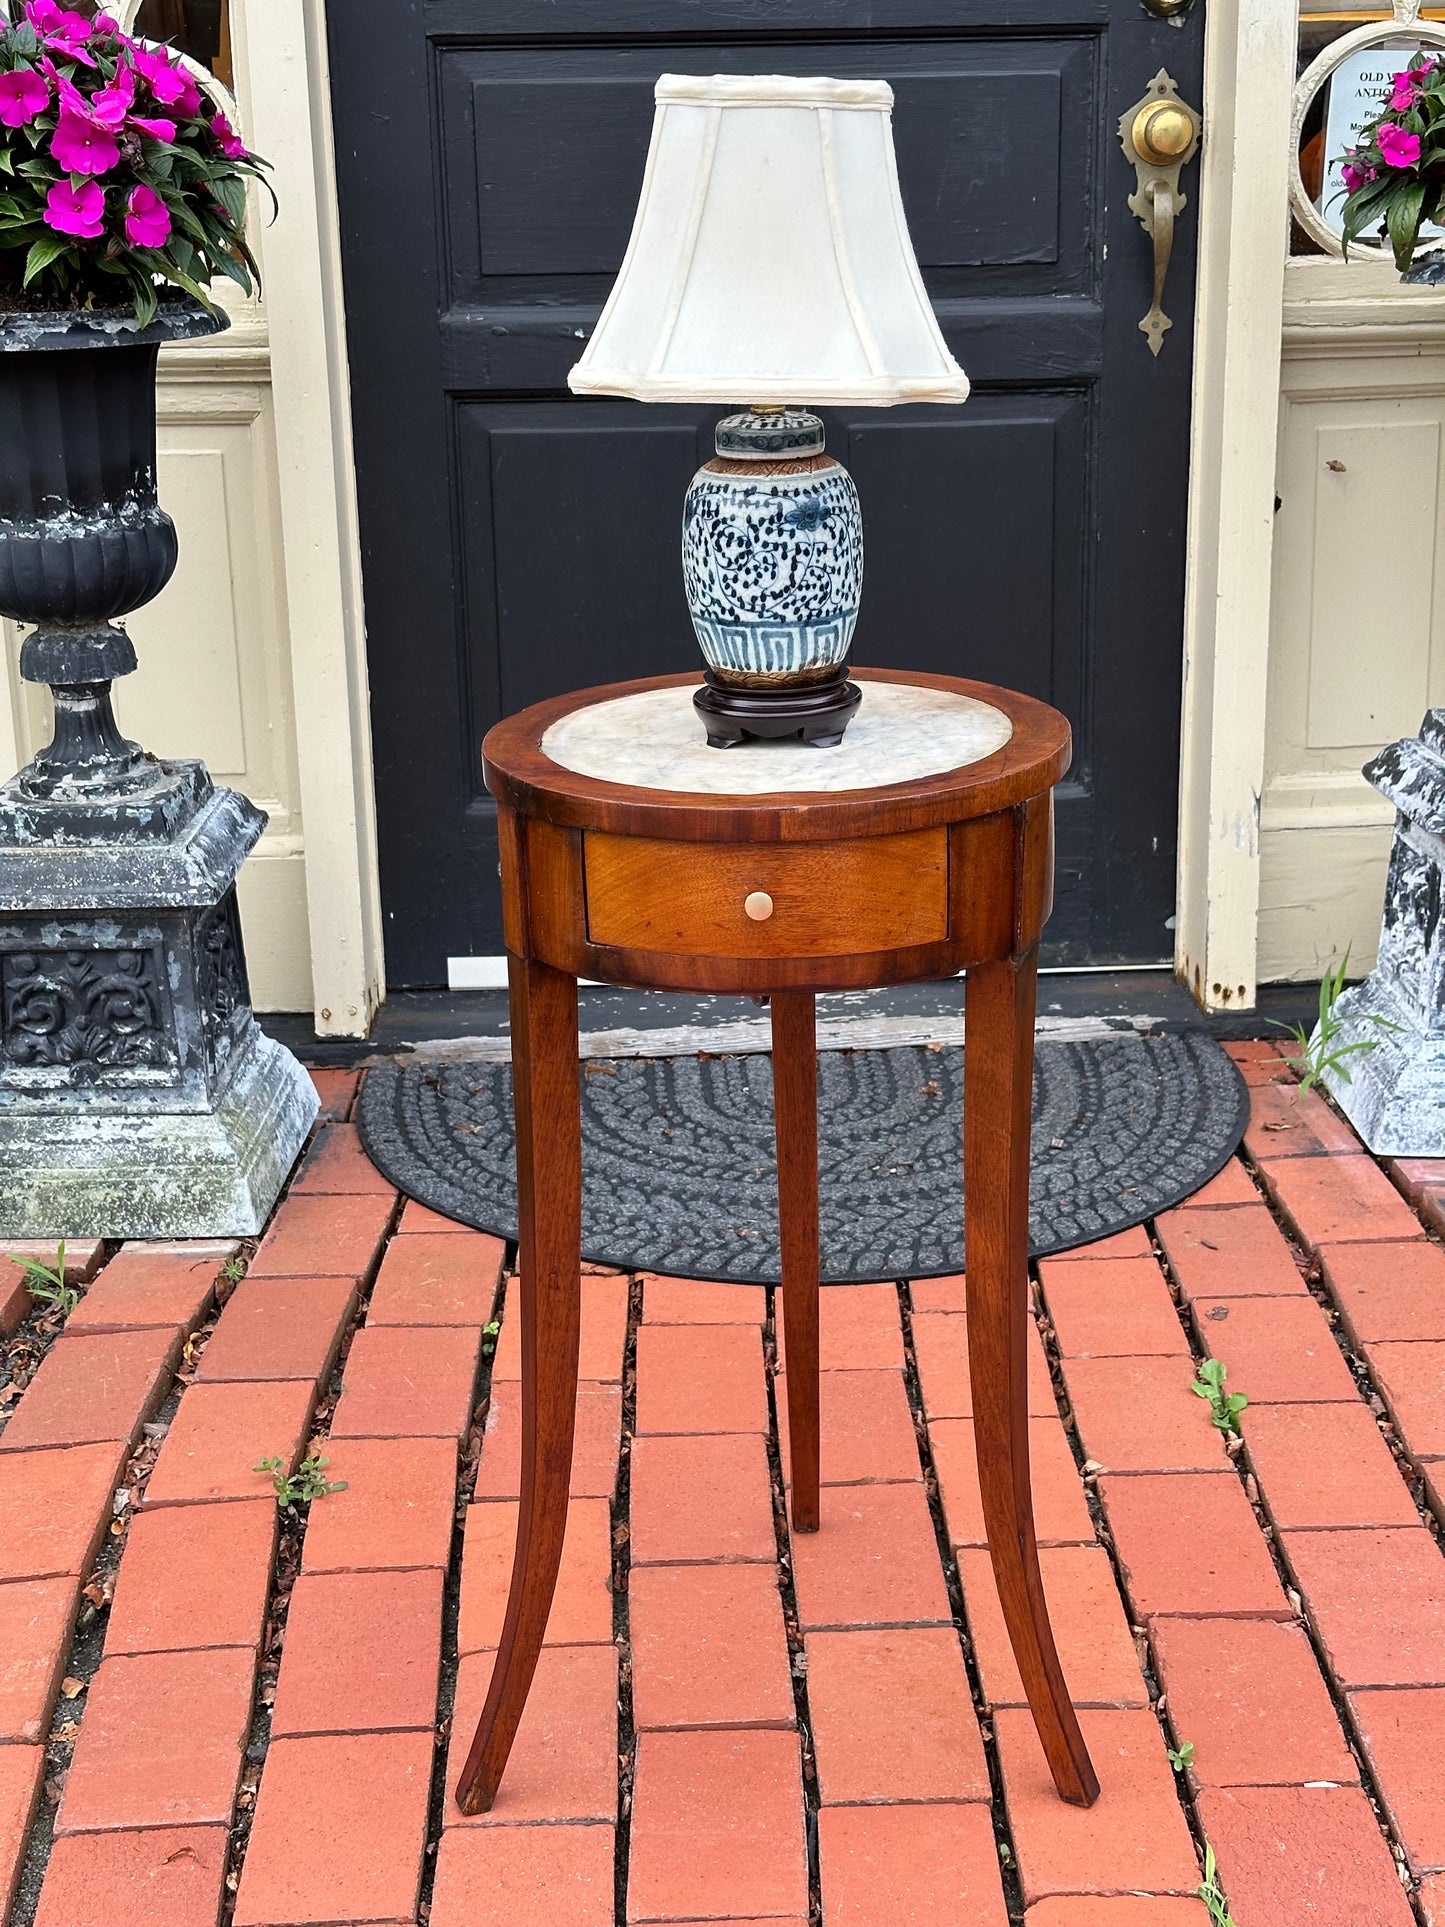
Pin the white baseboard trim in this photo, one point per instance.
(490, 973)
(755, 1034)
(476, 973)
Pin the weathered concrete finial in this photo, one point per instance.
(1395, 1093)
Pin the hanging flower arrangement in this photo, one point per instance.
(1394, 176)
(117, 176)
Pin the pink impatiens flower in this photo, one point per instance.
(65, 32)
(69, 94)
(188, 101)
(1407, 85)
(23, 95)
(1398, 148)
(232, 146)
(110, 105)
(75, 210)
(1353, 177)
(82, 147)
(158, 127)
(147, 218)
(172, 86)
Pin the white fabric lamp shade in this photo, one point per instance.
(770, 259)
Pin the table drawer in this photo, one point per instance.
(767, 900)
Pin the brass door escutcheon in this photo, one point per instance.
(1159, 134)
(1167, 9)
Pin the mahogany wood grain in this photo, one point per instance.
(981, 864)
(998, 1083)
(1031, 762)
(982, 861)
(895, 885)
(1036, 871)
(511, 834)
(549, 1207)
(795, 1123)
(828, 899)
(555, 931)
(556, 920)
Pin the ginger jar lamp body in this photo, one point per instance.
(769, 268)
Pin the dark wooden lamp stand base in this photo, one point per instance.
(819, 712)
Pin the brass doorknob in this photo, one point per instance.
(758, 905)
(1158, 134)
(1162, 132)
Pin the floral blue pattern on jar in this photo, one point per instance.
(774, 568)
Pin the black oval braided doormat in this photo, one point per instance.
(679, 1172)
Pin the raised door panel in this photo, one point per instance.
(572, 517)
(1357, 650)
(981, 127)
(572, 513)
(185, 698)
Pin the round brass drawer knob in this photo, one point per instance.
(759, 905)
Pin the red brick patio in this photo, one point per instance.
(726, 1727)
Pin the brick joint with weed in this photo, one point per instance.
(1224, 1407)
(298, 1488)
(47, 1284)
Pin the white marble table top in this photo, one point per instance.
(654, 740)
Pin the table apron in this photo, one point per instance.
(999, 889)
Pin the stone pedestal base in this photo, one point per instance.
(138, 1099)
(212, 1174)
(1395, 1097)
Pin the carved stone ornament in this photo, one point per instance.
(224, 993)
(93, 1009)
(1394, 1094)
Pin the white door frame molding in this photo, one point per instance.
(282, 63)
(1250, 58)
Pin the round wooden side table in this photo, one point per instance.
(635, 854)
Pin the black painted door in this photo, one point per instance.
(517, 542)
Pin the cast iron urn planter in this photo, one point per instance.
(138, 1098)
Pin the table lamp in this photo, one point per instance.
(769, 267)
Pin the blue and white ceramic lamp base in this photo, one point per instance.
(772, 559)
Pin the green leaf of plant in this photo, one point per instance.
(1402, 221)
(186, 219)
(47, 249)
(230, 191)
(180, 279)
(228, 265)
(145, 298)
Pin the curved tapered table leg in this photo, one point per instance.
(549, 1203)
(795, 1106)
(998, 1081)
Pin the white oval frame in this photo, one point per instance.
(1373, 33)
